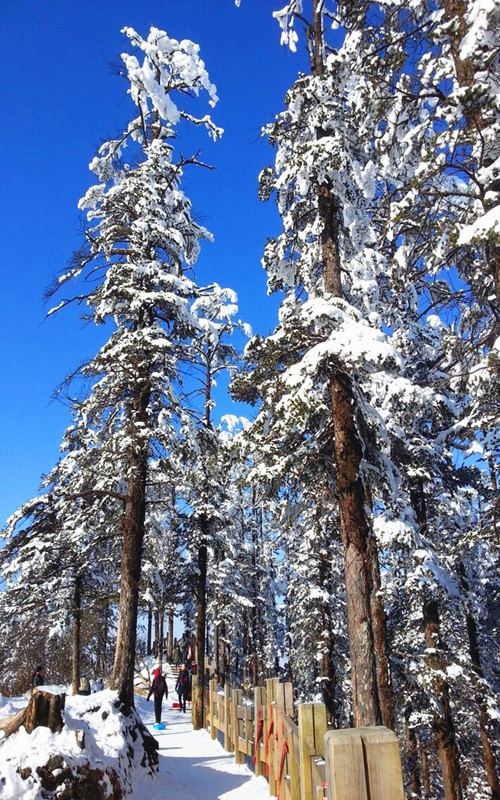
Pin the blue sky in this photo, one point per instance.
(60, 99)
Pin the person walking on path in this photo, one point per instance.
(158, 689)
(182, 687)
(37, 678)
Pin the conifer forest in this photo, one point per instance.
(344, 532)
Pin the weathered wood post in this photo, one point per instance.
(271, 732)
(212, 689)
(284, 708)
(259, 735)
(363, 764)
(236, 699)
(312, 730)
(228, 745)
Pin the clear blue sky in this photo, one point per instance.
(59, 99)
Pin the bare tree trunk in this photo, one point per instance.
(424, 768)
(355, 538)
(133, 536)
(488, 755)
(170, 635)
(247, 644)
(412, 757)
(77, 624)
(198, 687)
(150, 630)
(444, 729)
(158, 618)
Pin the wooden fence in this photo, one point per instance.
(293, 749)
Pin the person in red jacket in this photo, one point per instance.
(158, 688)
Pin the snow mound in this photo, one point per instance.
(95, 755)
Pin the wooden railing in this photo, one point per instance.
(293, 749)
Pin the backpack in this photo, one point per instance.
(184, 679)
(84, 684)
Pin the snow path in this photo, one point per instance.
(192, 765)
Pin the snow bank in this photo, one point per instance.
(94, 745)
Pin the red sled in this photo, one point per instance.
(175, 704)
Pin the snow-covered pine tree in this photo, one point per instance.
(201, 458)
(59, 568)
(440, 145)
(331, 337)
(140, 241)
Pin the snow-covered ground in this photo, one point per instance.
(192, 765)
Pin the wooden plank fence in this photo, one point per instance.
(293, 749)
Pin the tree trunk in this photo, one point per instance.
(77, 624)
(444, 728)
(133, 537)
(412, 757)
(488, 755)
(351, 497)
(355, 539)
(150, 630)
(170, 636)
(198, 687)
(424, 768)
(381, 643)
(158, 617)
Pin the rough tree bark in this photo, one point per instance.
(412, 756)
(150, 630)
(133, 538)
(77, 624)
(198, 686)
(354, 525)
(170, 636)
(488, 755)
(159, 615)
(443, 726)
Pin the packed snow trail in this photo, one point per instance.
(192, 765)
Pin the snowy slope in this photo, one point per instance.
(192, 766)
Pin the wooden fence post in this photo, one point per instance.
(270, 732)
(312, 729)
(259, 734)
(227, 718)
(236, 699)
(363, 764)
(212, 689)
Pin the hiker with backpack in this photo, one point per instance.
(37, 678)
(84, 685)
(158, 689)
(183, 687)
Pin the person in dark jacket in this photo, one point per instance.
(183, 687)
(158, 689)
(37, 678)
